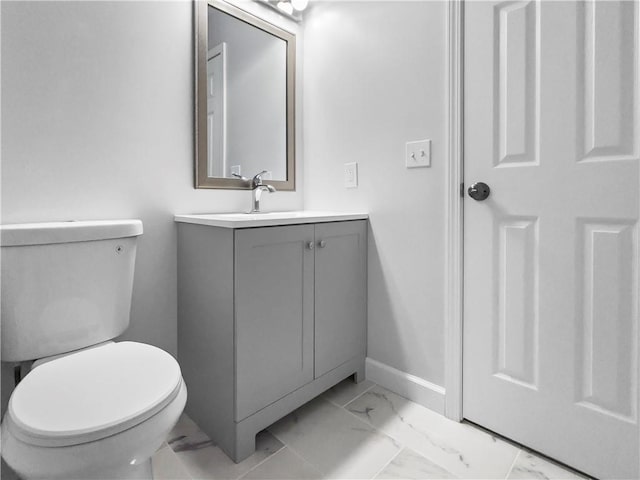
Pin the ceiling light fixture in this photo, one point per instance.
(289, 8)
(299, 5)
(286, 7)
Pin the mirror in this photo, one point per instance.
(244, 105)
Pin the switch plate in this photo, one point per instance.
(351, 175)
(418, 154)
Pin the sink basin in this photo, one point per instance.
(247, 220)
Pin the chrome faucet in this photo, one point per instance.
(257, 187)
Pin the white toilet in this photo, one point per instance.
(89, 408)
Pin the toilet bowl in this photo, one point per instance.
(89, 408)
(99, 413)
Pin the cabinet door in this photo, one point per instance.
(341, 293)
(273, 314)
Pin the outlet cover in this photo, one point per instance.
(351, 175)
(418, 154)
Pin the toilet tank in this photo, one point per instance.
(64, 285)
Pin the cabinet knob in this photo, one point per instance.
(322, 244)
(310, 245)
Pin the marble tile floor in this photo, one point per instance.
(356, 432)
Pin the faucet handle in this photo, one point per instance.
(257, 178)
(237, 175)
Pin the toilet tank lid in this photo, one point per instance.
(20, 234)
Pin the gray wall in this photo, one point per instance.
(97, 123)
(97, 105)
(375, 78)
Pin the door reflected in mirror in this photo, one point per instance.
(244, 104)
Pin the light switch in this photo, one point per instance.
(351, 175)
(418, 154)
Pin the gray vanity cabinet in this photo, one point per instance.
(268, 318)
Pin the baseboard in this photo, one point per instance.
(409, 386)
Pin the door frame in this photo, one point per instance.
(454, 188)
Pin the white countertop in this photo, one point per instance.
(266, 219)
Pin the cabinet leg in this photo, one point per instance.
(358, 376)
(245, 446)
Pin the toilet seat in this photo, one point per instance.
(92, 394)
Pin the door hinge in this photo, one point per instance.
(462, 190)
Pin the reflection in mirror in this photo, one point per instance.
(244, 104)
(246, 99)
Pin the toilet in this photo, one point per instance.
(89, 407)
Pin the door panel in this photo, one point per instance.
(274, 318)
(341, 294)
(515, 38)
(516, 356)
(606, 60)
(607, 319)
(551, 257)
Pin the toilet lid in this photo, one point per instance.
(93, 394)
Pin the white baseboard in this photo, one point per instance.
(409, 386)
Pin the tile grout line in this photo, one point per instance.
(358, 396)
(324, 475)
(174, 458)
(182, 464)
(293, 450)
(268, 429)
(264, 460)
(389, 462)
(513, 463)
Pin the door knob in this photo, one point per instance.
(322, 244)
(479, 191)
(310, 245)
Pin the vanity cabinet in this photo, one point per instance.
(268, 318)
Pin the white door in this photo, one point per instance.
(216, 119)
(551, 256)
